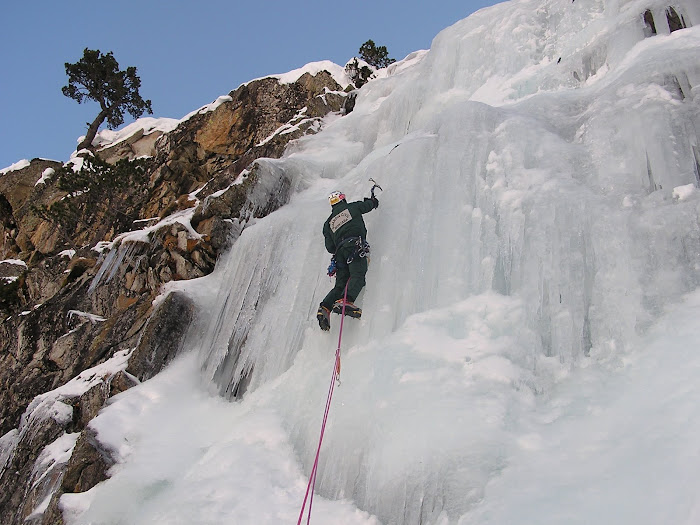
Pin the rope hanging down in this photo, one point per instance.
(336, 376)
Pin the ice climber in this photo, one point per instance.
(345, 236)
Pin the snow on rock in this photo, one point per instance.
(313, 68)
(46, 176)
(11, 269)
(208, 108)
(77, 159)
(127, 245)
(183, 217)
(291, 126)
(51, 404)
(46, 471)
(14, 262)
(92, 318)
(106, 138)
(21, 164)
(148, 125)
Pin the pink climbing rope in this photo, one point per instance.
(336, 374)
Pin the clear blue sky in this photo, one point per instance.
(187, 53)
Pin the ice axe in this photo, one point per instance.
(374, 187)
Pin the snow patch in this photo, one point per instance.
(148, 125)
(51, 404)
(15, 262)
(46, 176)
(92, 318)
(313, 68)
(208, 108)
(21, 164)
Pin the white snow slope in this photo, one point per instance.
(529, 352)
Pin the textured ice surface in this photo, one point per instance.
(531, 233)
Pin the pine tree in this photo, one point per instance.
(375, 56)
(98, 77)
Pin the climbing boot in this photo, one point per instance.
(350, 309)
(323, 316)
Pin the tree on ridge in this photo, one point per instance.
(98, 77)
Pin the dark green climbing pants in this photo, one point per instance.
(353, 274)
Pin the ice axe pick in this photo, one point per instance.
(375, 187)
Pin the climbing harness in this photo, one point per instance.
(361, 249)
(336, 377)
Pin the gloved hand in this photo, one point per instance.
(375, 201)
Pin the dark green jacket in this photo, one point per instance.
(346, 221)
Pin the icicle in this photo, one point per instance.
(125, 253)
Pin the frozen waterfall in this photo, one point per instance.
(540, 216)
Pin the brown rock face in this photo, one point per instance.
(18, 191)
(214, 147)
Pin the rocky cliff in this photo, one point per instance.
(84, 315)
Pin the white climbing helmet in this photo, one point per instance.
(335, 197)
